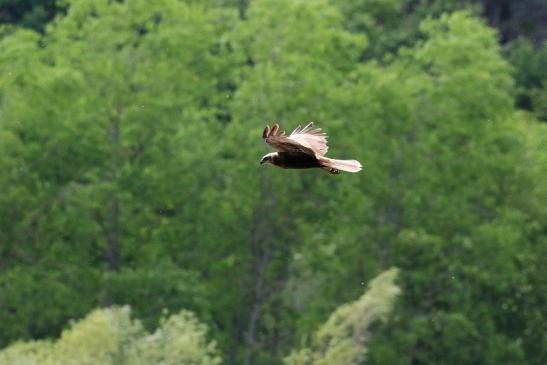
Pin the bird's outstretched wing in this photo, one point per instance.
(312, 138)
(306, 140)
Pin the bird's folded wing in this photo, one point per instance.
(281, 143)
(313, 139)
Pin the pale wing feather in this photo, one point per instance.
(313, 139)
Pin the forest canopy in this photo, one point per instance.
(134, 212)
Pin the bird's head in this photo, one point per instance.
(268, 158)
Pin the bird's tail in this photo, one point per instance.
(331, 164)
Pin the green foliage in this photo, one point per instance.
(343, 338)
(33, 14)
(129, 149)
(101, 183)
(530, 75)
(37, 302)
(110, 336)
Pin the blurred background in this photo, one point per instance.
(137, 226)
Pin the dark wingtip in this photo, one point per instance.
(275, 129)
(305, 129)
(266, 132)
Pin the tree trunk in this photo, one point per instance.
(260, 246)
(113, 237)
(113, 215)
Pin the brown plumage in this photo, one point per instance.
(304, 148)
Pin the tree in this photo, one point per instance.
(294, 50)
(343, 338)
(34, 14)
(100, 121)
(530, 76)
(110, 336)
(129, 149)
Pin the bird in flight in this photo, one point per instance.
(304, 148)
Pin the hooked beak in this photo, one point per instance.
(263, 161)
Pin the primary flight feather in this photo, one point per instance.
(304, 148)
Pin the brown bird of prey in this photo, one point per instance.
(304, 148)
